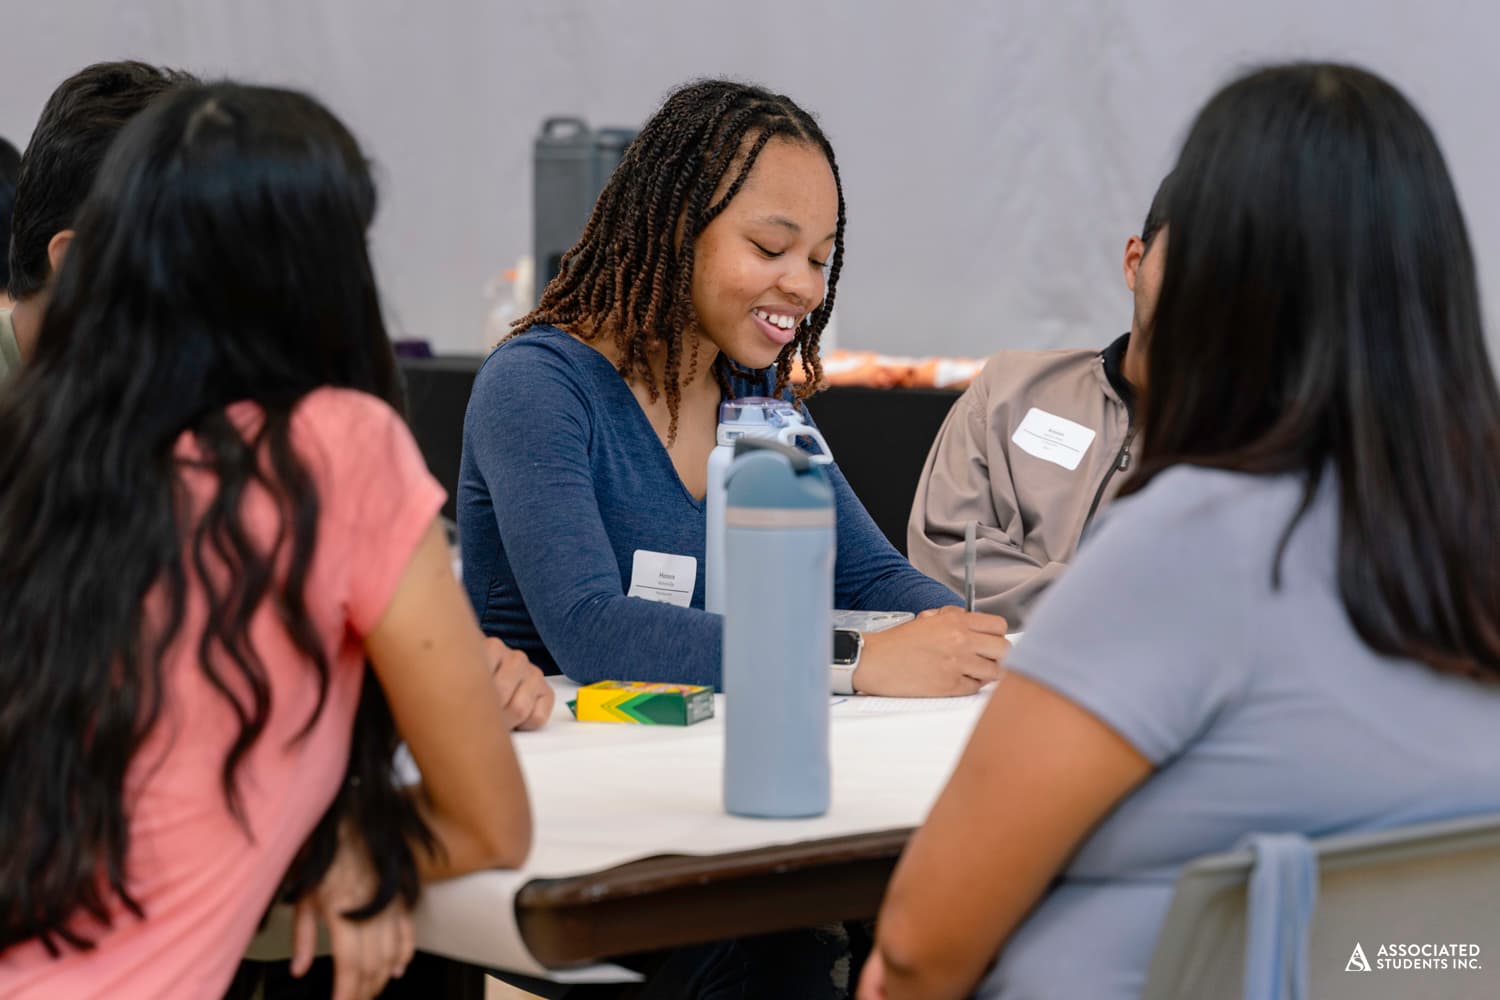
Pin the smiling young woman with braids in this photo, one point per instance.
(706, 271)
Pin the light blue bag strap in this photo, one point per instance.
(1283, 897)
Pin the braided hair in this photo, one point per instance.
(629, 276)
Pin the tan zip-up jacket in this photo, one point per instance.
(993, 464)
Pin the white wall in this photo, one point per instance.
(995, 155)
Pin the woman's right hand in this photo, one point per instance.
(368, 953)
(941, 653)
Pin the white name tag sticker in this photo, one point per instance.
(1052, 438)
(659, 576)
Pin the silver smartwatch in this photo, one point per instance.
(847, 645)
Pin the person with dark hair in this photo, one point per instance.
(707, 269)
(78, 123)
(1032, 451)
(1290, 621)
(10, 168)
(211, 514)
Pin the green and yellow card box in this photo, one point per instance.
(644, 703)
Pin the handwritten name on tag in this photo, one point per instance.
(660, 576)
(1052, 438)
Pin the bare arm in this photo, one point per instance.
(1039, 768)
(430, 657)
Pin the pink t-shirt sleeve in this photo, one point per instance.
(378, 497)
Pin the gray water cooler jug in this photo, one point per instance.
(570, 164)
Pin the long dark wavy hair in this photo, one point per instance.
(1319, 311)
(630, 275)
(220, 257)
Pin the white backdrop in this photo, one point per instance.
(995, 155)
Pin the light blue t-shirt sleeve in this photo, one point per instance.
(1148, 629)
(530, 440)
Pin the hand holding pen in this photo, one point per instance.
(971, 530)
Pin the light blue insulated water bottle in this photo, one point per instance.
(749, 416)
(778, 631)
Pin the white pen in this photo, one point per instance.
(969, 543)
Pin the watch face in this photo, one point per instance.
(845, 645)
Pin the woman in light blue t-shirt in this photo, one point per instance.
(1291, 622)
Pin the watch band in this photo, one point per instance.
(841, 671)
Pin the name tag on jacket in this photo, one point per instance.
(1051, 438)
(660, 576)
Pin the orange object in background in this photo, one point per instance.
(886, 371)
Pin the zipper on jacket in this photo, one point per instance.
(1120, 464)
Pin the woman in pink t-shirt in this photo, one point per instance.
(211, 516)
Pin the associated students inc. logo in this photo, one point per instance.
(1402, 956)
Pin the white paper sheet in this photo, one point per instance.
(856, 706)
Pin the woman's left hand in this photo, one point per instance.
(525, 696)
(366, 953)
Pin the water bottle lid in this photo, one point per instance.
(758, 410)
(755, 416)
(772, 476)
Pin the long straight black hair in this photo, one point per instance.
(220, 257)
(1319, 311)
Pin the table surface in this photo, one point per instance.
(634, 851)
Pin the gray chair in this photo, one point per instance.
(1437, 883)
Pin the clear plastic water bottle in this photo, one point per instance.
(755, 417)
(778, 632)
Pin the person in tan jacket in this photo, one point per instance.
(1031, 452)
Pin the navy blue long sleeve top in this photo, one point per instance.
(563, 479)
